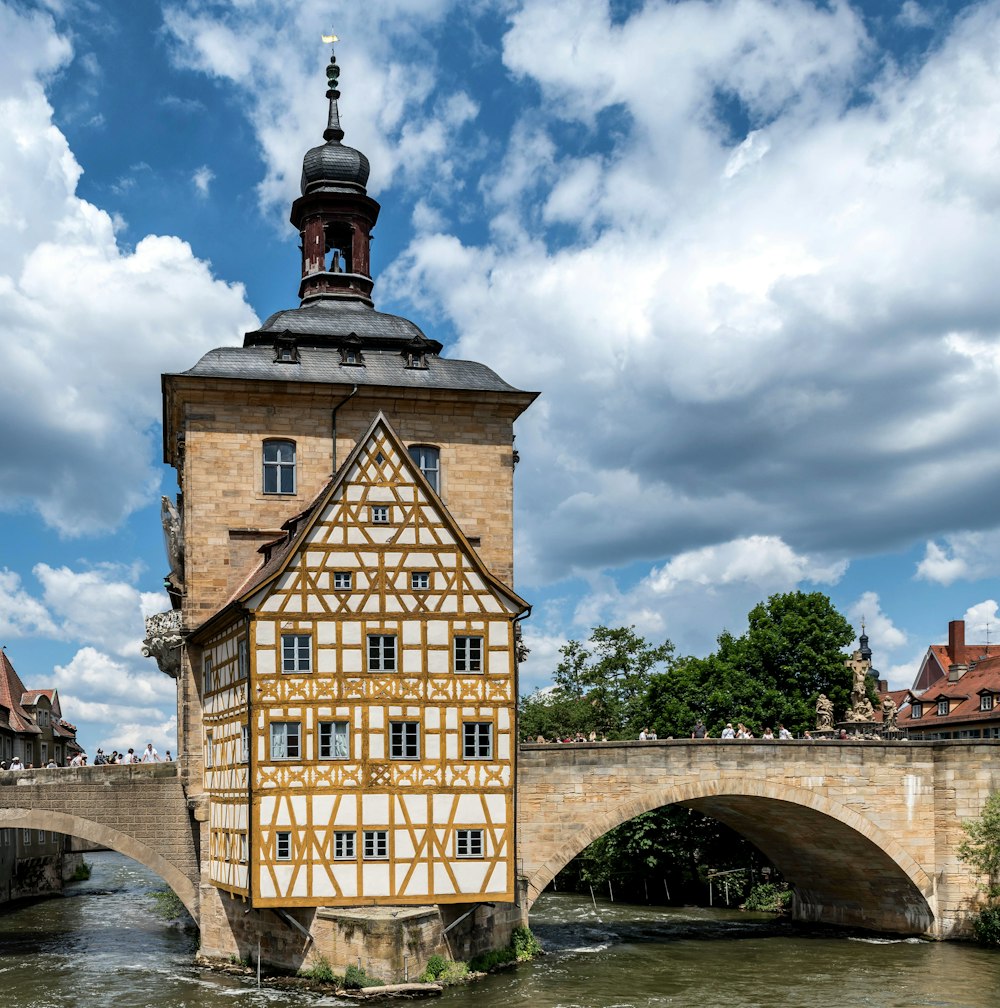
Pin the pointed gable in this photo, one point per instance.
(375, 526)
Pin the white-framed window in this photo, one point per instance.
(420, 580)
(334, 740)
(41, 836)
(986, 701)
(428, 459)
(285, 736)
(343, 580)
(381, 652)
(469, 843)
(244, 743)
(296, 652)
(376, 845)
(468, 654)
(380, 514)
(279, 467)
(916, 710)
(243, 658)
(244, 848)
(209, 751)
(27, 836)
(208, 673)
(942, 707)
(404, 740)
(283, 845)
(45, 753)
(344, 848)
(477, 740)
(43, 717)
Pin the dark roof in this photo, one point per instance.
(322, 320)
(963, 694)
(381, 367)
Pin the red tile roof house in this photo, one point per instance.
(956, 692)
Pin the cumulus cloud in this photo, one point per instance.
(981, 621)
(966, 556)
(87, 324)
(21, 615)
(879, 626)
(94, 676)
(786, 333)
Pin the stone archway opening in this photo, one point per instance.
(842, 869)
(76, 826)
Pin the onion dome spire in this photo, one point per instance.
(335, 215)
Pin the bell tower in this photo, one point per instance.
(345, 633)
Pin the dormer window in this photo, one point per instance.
(917, 710)
(415, 353)
(986, 701)
(942, 708)
(416, 360)
(350, 352)
(286, 351)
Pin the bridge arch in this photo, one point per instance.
(843, 867)
(106, 836)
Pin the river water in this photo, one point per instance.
(103, 947)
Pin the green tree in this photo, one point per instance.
(612, 675)
(981, 851)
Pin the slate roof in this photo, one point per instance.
(329, 318)
(323, 366)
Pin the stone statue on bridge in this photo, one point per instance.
(889, 714)
(861, 706)
(824, 713)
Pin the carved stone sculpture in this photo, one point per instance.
(163, 641)
(824, 713)
(889, 714)
(173, 536)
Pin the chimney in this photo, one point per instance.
(956, 671)
(956, 638)
(883, 685)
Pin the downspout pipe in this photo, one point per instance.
(333, 424)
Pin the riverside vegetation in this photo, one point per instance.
(981, 851)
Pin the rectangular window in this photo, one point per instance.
(942, 707)
(45, 753)
(207, 675)
(343, 845)
(243, 658)
(41, 836)
(420, 580)
(285, 740)
(917, 710)
(245, 743)
(477, 740)
(381, 652)
(986, 701)
(209, 751)
(380, 514)
(376, 845)
(333, 740)
(428, 459)
(404, 740)
(469, 843)
(296, 652)
(342, 581)
(283, 846)
(244, 848)
(27, 836)
(279, 467)
(468, 654)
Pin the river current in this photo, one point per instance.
(103, 946)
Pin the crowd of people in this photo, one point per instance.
(114, 758)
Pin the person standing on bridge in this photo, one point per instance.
(699, 730)
(728, 732)
(149, 754)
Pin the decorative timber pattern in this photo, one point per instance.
(362, 682)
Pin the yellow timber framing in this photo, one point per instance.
(294, 593)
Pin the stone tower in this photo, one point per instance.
(345, 634)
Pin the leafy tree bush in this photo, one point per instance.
(323, 971)
(355, 978)
(524, 944)
(981, 850)
(768, 897)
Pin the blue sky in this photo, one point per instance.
(746, 250)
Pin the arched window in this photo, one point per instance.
(279, 467)
(428, 458)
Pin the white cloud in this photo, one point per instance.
(94, 676)
(202, 179)
(21, 615)
(967, 556)
(913, 15)
(87, 325)
(884, 635)
(981, 622)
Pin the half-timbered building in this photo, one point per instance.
(345, 631)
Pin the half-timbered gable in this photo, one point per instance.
(382, 690)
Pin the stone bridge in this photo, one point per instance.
(866, 832)
(138, 810)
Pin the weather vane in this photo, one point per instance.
(330, 39)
